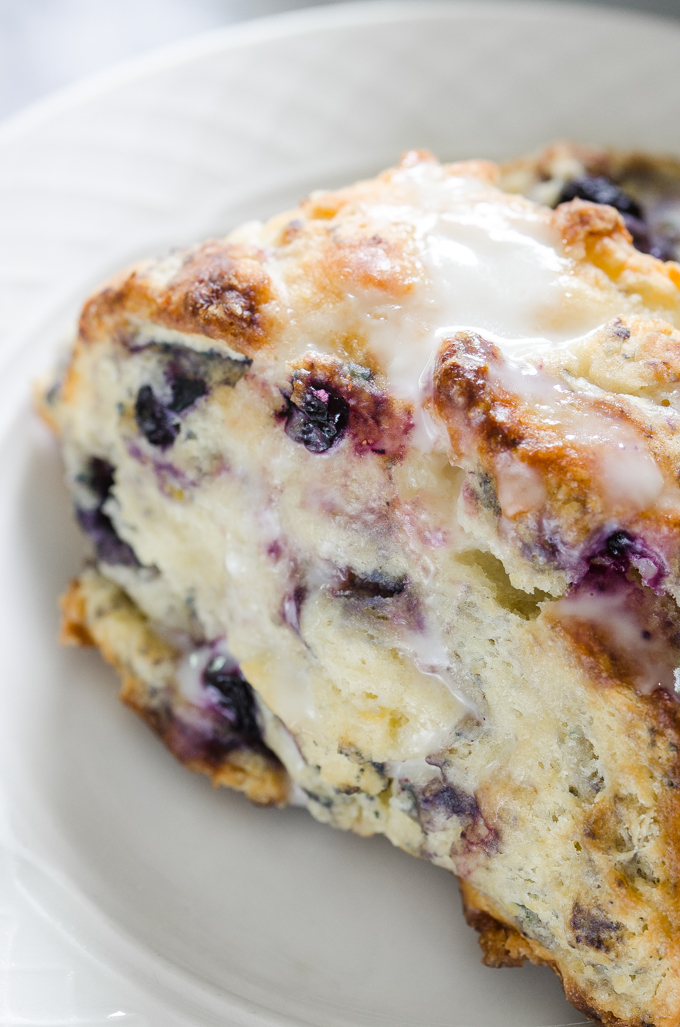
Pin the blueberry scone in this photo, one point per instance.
(384, 505)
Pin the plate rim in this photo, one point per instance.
(300, 21)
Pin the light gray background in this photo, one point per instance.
(45, 44)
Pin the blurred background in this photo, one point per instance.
(45, 44)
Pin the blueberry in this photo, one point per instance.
(613, 559)
(448, 800)
(232, 694)
(619, 545)
(210, 367)
(154, 419)
(594, 928)
(375, 586)
(188, 375)
(650, 240)
(660, 246)
(109, 547)
(599, 189)
(98, 477)
(185, 392)
(319, 421)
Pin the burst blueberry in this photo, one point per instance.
(319, 421)
(232, 694)
(154, 419)
(185, 392)
(373, 586)
(619, 545)
(98, 477)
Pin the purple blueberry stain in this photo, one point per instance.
(611, 560)
(168, 476)
(439, 802)
(319, 420)
(621, 550)
(275, 550)
(98, 478)
(618, 615)
(615, 547)
(595, 928)
(206, 735)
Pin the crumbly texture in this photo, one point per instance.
(447, 615)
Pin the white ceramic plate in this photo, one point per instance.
(130, 891)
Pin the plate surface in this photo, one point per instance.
(130, 891)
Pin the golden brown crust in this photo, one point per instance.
(488, 421)
(74, 629)
(501, 943)
(218, 289)
(582, 224)
(504, 946)
(597, 233)
(221, 291)
(96, 612)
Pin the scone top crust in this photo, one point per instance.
(398, 276)
(411, 448)
(424, 246)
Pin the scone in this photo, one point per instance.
(384, 504)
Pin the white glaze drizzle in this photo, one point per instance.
(490, 262)
(626, 470)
